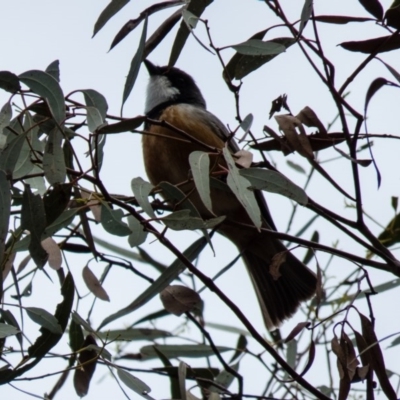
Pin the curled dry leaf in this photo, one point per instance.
(54, 252)
(179, 299)
(94, 285)
(277, 260)
(244, 158)
(290, 126)
(308, 117)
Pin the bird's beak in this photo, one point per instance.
(151, 68)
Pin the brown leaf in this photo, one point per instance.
(339, 19)
(179, 299)
(344, 387)
(296, 330)
(377, 45)
(94, 285)
(317, 142)
(308, 117)
(298, 141)
(85, 370)
(376, 360)
(54, 252)
(277, 260)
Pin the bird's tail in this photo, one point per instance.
(280, 286)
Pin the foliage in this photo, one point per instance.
(52, 206)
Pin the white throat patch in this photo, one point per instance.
(159, 90)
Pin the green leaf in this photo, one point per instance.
(195, 7)
(5, 209)
(170, 274)
(111, 220)
(134, 383)
(200, 165)
(135, 65)
(181, 220)
(305, 14)
(181, 350)
(112, 8)
(256, 47)
(76, 337)
(224, 379)
(95, 99)
(10, 154)
(61, 222)
(190, 19)
(240, 65)
(7, 330)
(274, 182)
(54, 70)
(80, 321)
(48, 340)
(47, 87)
(33, 219)
(133, 334)
(239, 186)
(123, 126)
(9, 82)
(54, 167)
(44, 318)
(94, 118)
(138, 235)
(5, 118)
(141, 190)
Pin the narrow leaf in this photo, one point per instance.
(239, 186)
(54, 167)
(274, 182)
(5, 209)
(111, 9)
(44, 318)
(200, 166)
(141, 189)
(255, 47)
(135, 65)
(134, 383)
(305, 14)
(171, 273)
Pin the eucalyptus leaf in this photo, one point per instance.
(111, 221)
(200, 166)
(274, 182)
(46, 86)
(44, 318)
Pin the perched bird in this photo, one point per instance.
(174, 97)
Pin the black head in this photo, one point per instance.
(170, 85)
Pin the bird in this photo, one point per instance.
(174, 103)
